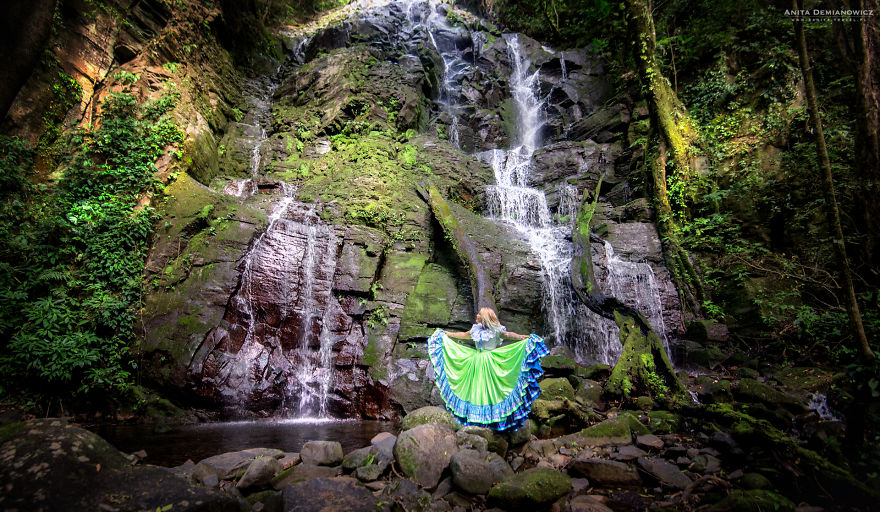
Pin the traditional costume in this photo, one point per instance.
(489, 385)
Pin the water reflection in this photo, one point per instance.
(200, 441)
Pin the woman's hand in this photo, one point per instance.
(513, 335)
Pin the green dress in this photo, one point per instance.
(491, 388)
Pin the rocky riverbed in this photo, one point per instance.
(577, 452)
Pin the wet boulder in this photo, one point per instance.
(424, 452)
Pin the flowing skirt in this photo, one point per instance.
(488, 388)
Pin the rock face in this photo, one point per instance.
(298, 272)
(49, 465)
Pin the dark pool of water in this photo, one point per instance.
(197, 442)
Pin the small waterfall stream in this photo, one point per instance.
(633, 283)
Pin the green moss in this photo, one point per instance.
(663, 422)
(559, 388)
(10, 430)
(753, 501)
(610, 430)
(533, 487)
(371, 354)
(429, 414)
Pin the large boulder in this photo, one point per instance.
(424, 452)
(475, 473)
(321, 453)
(49, 465)
(225, 466)
(531, 489)
(260, 473)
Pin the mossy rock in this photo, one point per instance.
(663, 422)
(596, 371)
(556, 389)
(808, 378)
(755, 481)
(535, 487)
(703, 356)
(588, 393)
(644, 403)
(543, 410)
(430, 303)
(750, 390)
(558, 365)
(429, 414)
(753, 501)
(614, 431)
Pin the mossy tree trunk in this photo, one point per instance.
(643, 366)
(677, 136)
(481, 282)
(832, 210)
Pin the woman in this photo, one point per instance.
(489, 385)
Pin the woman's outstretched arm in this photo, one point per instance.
(464, 335)
(508, 334)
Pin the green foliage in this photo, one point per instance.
(73, 255)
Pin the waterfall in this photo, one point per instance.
(283, 361)
(442, 36)
(512, 200)
(314, 377)
(634, 284)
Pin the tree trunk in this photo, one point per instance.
(481, 282)
(852, 305)
(643, 366)
(860, 48)
(677, 136)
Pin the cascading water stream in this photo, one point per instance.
(633, 283)
(427, 17)
(512, 200)
(314, 378)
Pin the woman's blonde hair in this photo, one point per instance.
(488, 319)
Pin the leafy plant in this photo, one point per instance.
(73, 256)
